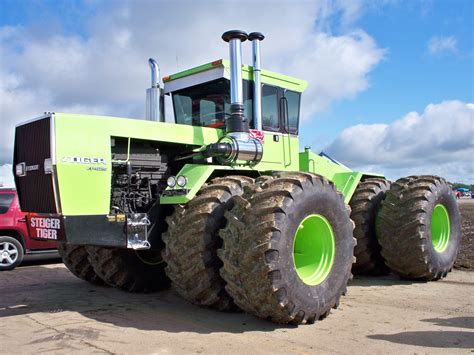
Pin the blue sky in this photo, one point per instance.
(370, 63)
(409, 77)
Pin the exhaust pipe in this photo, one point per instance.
(237, 121)
(236, 147)
(154, 95)
(255, 38)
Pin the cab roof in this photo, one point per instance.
(221, 68)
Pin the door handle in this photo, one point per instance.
(22, 220)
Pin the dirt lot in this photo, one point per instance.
(46, 309)
(465, 258)
(43, 308)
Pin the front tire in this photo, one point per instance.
(11, 253)
(419, 228)
(76, 259)
(288, 249)
(192, 241)
(129, 270)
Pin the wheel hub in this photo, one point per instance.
(440, 228)
(8, 254)
(314, 249)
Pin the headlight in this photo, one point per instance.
(48, 166)
(171, 181)
(20, 169)
(182, 181)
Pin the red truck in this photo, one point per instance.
(15, 240)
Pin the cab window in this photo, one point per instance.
(293, 100)
(270, 115)
(208, 104)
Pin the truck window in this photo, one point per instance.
(208, 104)
(5, 202)
(270, 116)
(293, 99)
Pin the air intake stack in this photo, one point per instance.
(237, 147)
(154, 95)
(255, 38)
(237, 121)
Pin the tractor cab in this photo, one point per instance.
(202, 97)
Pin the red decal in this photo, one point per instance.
(45, 226)
(256, 134)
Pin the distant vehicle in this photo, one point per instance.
(15, 240)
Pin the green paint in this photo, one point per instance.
(440, 228)
(84, 191)
(345, 179)
(314, 248)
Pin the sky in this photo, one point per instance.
(391, 82)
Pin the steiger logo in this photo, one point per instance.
(83, 160)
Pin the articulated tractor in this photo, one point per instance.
(221, 204)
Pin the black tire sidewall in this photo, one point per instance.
(19, 247)
(328, 203)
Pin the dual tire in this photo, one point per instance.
(250, 245)
(288, 249)
(419, 228)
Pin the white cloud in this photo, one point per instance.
(438, 141)
(438, 45)
(106, 71)
(6, 176)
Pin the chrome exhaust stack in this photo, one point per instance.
(237, 121)
(255, 38)
(154, 95)
(237, 147)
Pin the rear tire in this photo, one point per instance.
(129, 270)
(419, 228)
(365, 204)
(11, 253)
(192, 241)
(261, 254)
(75, 258)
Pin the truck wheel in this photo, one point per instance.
(11, 253)
(288, 249)
(364, 205)
(129, 270)
(419, 228)
(75, 258)
(192, 241)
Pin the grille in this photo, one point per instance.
(32, 147)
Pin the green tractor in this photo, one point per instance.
(220, 203)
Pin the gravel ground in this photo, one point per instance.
(45, 309)
(465, 258)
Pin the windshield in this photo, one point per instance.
(208, 104)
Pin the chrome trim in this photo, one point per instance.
(257, 86)
(154, 110)
(54, 173)
(155, 73)
(235, 56)
(23, 169)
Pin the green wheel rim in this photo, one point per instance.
(314, 249)
(440, 228)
